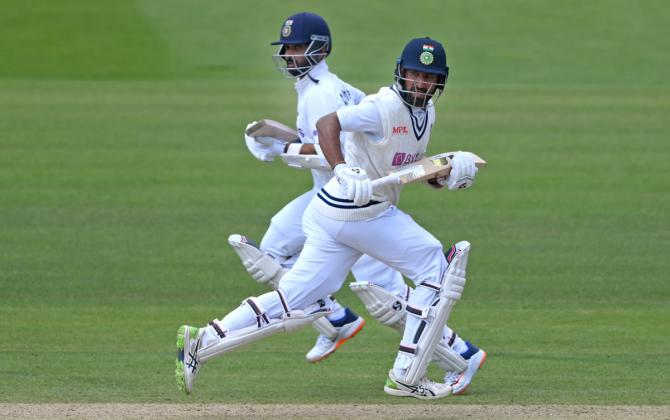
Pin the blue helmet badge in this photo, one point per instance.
(286, 29)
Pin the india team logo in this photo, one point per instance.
(426, 58)
(286, 30)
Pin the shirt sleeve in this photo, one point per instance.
(363, 117)
(317, 107)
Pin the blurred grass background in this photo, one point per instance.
(122, 172)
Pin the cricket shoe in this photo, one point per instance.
(460, 381)
(325, 346)
(188, 366)
(424, 390)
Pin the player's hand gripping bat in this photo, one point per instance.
(423, 170)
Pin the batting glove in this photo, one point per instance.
(357, 186)
(463, 171)
(263, 148)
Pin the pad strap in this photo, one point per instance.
(429, 285)
(284, 304)
(452, 339)
(416, 311)
(219, 331)
(409, 348)
(255, 305)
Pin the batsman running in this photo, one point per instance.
(346, 220)
(305, 42)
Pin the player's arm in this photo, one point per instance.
(308, 155)
(354, 181)
(329, 129)
(364, 117)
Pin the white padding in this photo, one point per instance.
(262, 267)
(294, 148)
(289, 322)
(389, 310)
(266, 270)
(382, 305)
(450, 292)
(324, 327)
(448, 359)
(294, 159)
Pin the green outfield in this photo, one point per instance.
(123, 171)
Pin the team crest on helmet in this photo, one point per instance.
(286, 30)
(426, 58)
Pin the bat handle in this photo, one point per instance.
(390, 179)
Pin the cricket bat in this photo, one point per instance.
(422, 170)
(270, 128)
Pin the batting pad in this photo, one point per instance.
(390, 310)
(436, 316)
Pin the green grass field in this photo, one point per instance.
(123, 171)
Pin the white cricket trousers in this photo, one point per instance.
(332, 247)
(285, 239)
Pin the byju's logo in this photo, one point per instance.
(401, 158)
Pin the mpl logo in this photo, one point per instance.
(401, 129)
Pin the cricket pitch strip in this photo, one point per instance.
(418, 409)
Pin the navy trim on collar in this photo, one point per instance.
(419, 127)
(316, 81)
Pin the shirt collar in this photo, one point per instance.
(317, 71)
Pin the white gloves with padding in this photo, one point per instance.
(263, 148)
(355, 182)
(462, 173)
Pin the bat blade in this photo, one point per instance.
(271, 128)
(423, 170)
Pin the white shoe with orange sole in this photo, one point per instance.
(325, 346)
(460, 381)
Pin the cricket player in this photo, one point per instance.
(345, 221)
(305, 42)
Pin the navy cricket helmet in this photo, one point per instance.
(424, 55)
(302, 29)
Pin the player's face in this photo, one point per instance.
(294, 55)
(298, 60)
(421, 85)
